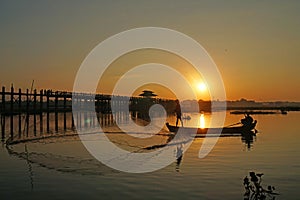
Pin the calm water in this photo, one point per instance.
(62, 169)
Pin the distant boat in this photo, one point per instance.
(225, 131)
(187, 117)
(284, 112)
(253, 112)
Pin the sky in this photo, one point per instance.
(255, 44)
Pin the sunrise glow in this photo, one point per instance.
(201, 87)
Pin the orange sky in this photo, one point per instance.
(136, 58)
(254, 44)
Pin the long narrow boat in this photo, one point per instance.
(236, 130)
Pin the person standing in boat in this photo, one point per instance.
(178, 113)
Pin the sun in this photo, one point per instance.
(201, 87)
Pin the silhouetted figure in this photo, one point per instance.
(247, 121)
(178, 113)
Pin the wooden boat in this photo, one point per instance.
(225, 131)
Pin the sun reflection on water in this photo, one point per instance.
(202, 121)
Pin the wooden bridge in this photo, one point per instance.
(31, 113)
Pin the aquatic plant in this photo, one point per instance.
(254, 189)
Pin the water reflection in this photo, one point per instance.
(247, 138)
(30, 171)
(202, 120)
(57, 161)
(179, 155)
(276, 155)
(243, 128)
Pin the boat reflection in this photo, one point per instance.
(244, 128)
(248, 138)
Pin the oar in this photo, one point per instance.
(233, 124)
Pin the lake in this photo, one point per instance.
(61, 168)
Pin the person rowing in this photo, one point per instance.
(247, 121)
